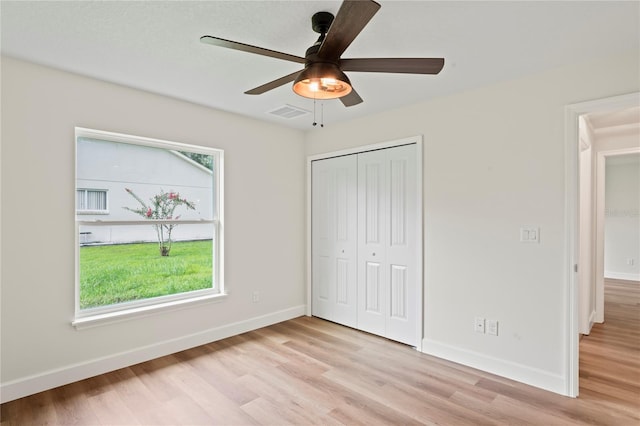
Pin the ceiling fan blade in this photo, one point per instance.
(216, 41)
(351, 18)
(351, 99)
(273, 84)
(394, 65)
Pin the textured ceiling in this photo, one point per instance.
(155, 46)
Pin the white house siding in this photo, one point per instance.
(111, 166)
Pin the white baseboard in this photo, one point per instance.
(621, 276)
(518, 372)
(591, 321)
(50, 379)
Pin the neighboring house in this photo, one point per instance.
(106, 168)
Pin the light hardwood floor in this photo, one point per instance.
(309, 371)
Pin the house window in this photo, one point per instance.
(158, 240)
(91, 201)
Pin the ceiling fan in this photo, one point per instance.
(323, 75)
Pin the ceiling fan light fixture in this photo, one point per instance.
(322, 80)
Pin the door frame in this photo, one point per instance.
(571, 220)
(417, 140)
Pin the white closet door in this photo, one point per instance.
(372, 242)
(387, 243)
(402, 253)
(334, 242)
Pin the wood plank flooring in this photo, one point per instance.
(309, 371)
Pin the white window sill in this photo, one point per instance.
(142, 311)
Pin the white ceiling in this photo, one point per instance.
(155, 46)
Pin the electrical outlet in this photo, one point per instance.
(478, 325)
(492, 327)
(255, 297)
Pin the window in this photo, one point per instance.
(156, 240)
(91, 201)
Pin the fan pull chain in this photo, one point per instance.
(321, 113)
(314, 112)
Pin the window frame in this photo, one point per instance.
(117, 312)
(93, 211)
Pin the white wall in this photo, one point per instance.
(622, 218)
(494, 161)
(264, 166)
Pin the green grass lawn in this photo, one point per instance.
(125, 272)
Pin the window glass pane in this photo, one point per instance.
(80, 199)
(113, 273)
(96, 200)
(88, 200)
(146, 172)
(123, 260)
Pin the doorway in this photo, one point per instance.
(574, 152)
(609, 146)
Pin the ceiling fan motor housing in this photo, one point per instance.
(321, 78)
(321, 21)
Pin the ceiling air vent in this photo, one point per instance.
(289, 112)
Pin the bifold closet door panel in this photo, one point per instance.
(373, 189)
(334, 239)
(387, 242)
(401, 252)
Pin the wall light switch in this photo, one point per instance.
(529, 234)
(492, 327)
(478, 325)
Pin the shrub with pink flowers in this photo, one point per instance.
(161, 207)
